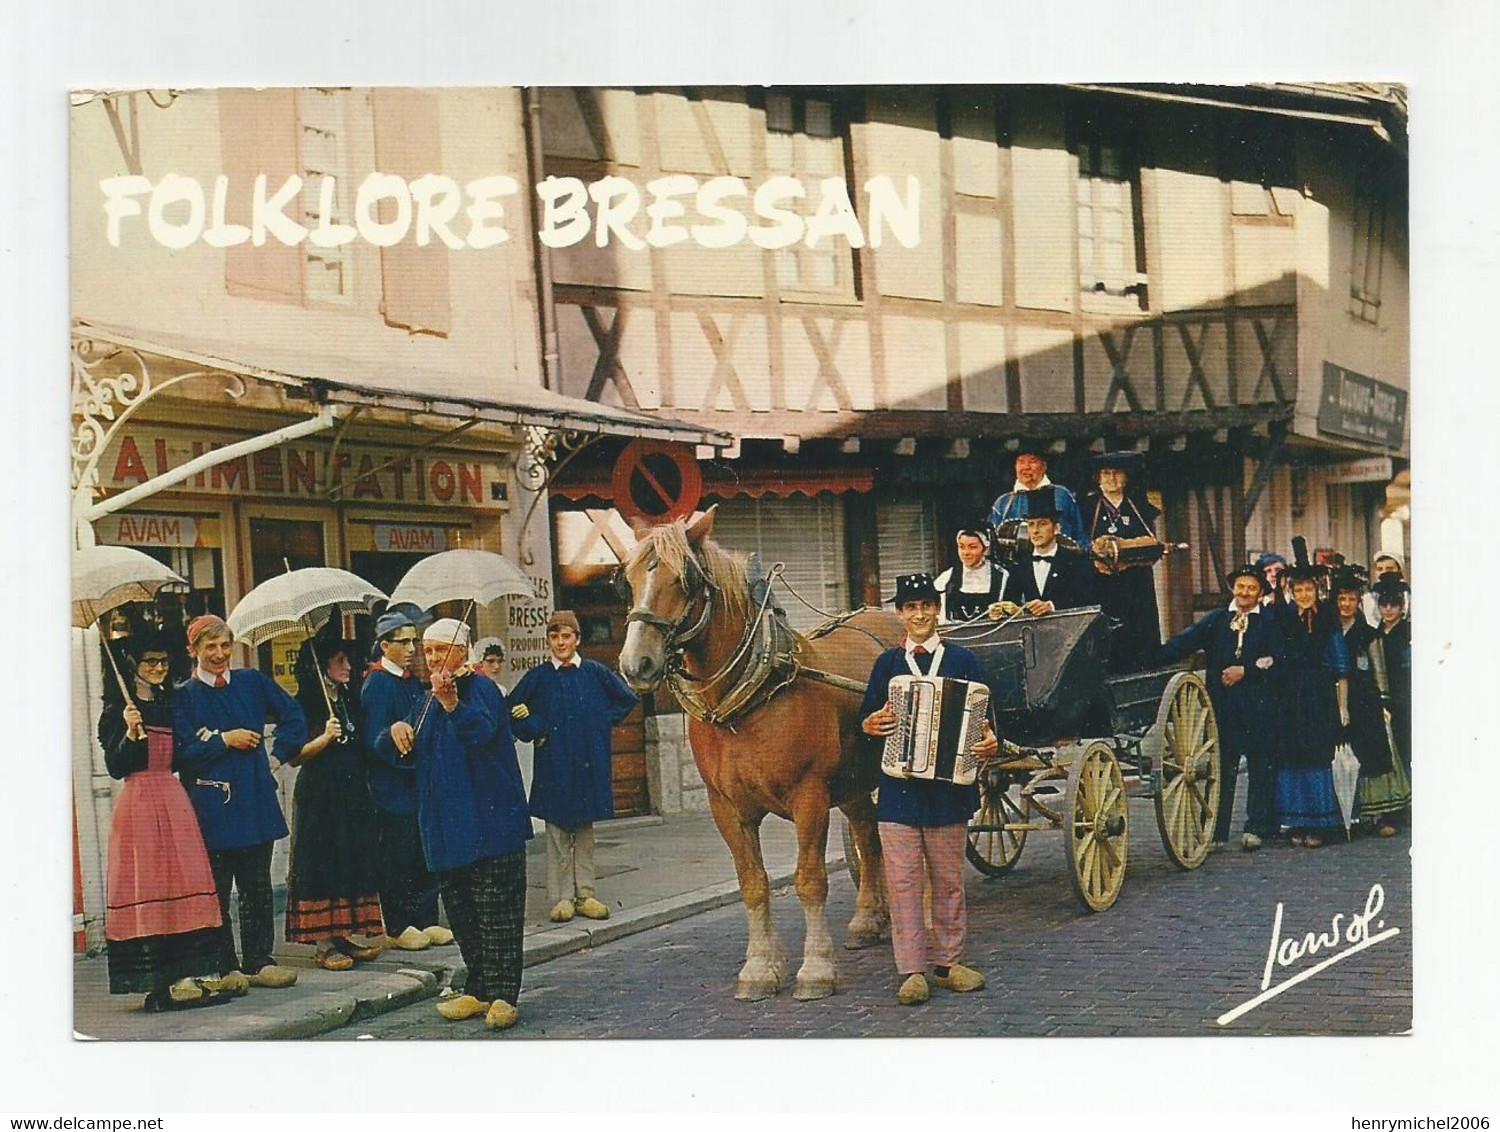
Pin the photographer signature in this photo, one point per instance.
(1288, 951)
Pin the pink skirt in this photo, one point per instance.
(159, 879)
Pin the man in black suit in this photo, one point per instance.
(1049, 577)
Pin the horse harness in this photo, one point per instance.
(768, 646)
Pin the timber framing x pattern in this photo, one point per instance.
(110, 383)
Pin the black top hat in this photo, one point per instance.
(1037, 448)
(1391, 589)
(1302, 569)
(1128, 461)
(1041, 503)
(1246, 571)
(913, 587)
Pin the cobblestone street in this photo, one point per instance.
(1177, 951)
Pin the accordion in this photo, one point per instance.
(938, 721)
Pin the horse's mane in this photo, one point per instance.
(727, 571)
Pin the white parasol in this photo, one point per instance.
(300, 601)
(477, 576)
(1345, 782)
(106, 577)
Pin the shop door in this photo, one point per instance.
(275, 545)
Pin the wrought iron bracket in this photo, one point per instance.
(547, 453)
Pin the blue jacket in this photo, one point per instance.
(242, 809)
(915, 801)
(572, 712)
(471, 803)
(1013, 506)
(385, 699)
(1244, 711)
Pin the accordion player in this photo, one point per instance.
(938, 722)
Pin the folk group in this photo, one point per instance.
(1302, 660)
(405, 794)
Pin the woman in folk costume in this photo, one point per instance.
(333, 883)
(1117, 509)
(924, 823)
(1383, 789)
(219, 718)
(1395, 635)
(162, 921)
(1313, 700)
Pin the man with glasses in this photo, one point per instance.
(392, 698)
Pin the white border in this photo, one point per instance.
(1446, 52)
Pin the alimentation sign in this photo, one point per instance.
(1361, 408)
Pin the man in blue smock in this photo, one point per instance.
(219, 718)
(471, 805)
(567, 707)
(1031, 476)
(391, 697)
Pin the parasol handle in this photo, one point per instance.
(313, 648)
(431, 695)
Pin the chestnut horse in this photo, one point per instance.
(793, 755)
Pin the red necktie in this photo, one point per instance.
(220, 682)
(919, 651)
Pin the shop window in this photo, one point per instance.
(805, 138)
(1111, 235)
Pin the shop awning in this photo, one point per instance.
(754, 483)
(400, 386)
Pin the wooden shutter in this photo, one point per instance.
(258, 134)
(408, 143)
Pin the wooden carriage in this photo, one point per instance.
(1079, 742)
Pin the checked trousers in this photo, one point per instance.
(486, 904)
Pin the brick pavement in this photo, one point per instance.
(1177, 950)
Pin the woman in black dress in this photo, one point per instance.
(1115, 509)
(1383, 788)
(1311, 699)
(332, 887)
(1395, 634)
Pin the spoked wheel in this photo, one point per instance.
(1187, 802)
(991, 849)
(1096, 829)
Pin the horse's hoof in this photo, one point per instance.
(808, 989)
(755, 990)
(860, 942)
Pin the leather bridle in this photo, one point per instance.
(698, 586)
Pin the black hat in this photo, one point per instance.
(1391, 589)
(1302, 569)
(1037, 448)
(139, 644)
(913, 587)
(1246, 571)
(1348, 577)
(1040, 504)
(1128, 461)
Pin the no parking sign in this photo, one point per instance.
(656, 481)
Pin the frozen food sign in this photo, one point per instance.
(306, 470)
(1361, 408)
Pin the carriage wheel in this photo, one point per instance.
(1096, 829)
(993, 851)
(1187, 803)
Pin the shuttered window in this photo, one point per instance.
(806, 534)
(907, 543)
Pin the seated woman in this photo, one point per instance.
(1384, 791)
(162, 921)
(333, 883)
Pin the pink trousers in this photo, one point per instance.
(906, 848)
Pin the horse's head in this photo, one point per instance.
(674, 581)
